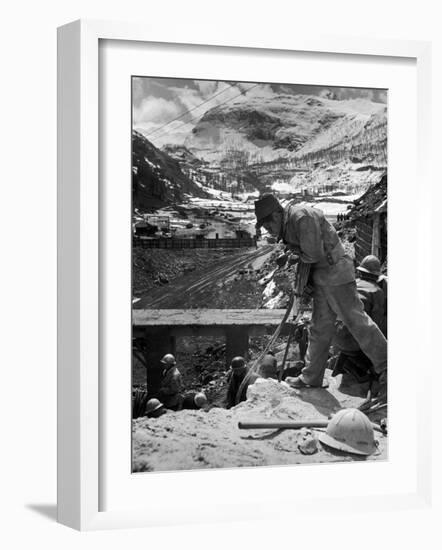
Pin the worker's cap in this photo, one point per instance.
(264, 206)
(370, 264)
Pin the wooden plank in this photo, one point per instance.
(177, 243)
(206, 317)
(362, 233)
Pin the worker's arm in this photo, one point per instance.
(231, 394)
(310, 240)
(378, 312)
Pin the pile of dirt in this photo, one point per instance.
(152, 268)
(188, 440)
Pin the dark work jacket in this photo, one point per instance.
(234, 381)
(171, 386)
(373, 298)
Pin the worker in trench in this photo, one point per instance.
(236, 375)
(171, 389)
(170, 392)
(268, 368)
(349, 357)
(309, 235)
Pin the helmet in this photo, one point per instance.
(200, 400)
(168, 360)
(238, 362)
(370, 264)
(350, 430)
(153, 405)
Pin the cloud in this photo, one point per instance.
(174, 133)
(382, 96)
(206, 95)
(207, 87)
(155, 110)
(262, 90)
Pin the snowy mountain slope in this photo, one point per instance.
(182, 155)
(156, 177)
(348, 128)
(268, 128)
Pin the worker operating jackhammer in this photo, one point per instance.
(308, 234)
(250, 374)
(298, 330)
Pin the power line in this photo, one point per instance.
(189, 110)
(219, 104)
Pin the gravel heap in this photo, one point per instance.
(188, 440)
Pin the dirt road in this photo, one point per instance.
(197, 289)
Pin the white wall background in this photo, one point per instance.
(28, 273)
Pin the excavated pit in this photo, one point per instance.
(189, 440)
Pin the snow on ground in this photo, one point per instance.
(275, 302)
(215, 193)
(345, 176)
(283, 187)
(269, 290)
(330, 208)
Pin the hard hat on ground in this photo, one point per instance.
(153, 405)
(200, 400)
(370, 264)
(168, 359)
(264, 206)
(350, 430)
(238, 362)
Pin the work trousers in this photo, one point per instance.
(343, 302)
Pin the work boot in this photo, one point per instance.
(299, 383)
(296, 382)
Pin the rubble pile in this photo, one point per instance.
(206, 371)
(188, 440)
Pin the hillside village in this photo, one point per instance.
(195, 247)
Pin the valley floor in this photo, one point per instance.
(218, 279)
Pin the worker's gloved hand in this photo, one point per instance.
(293, 259)
(281, 260)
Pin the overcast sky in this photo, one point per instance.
(158, 101)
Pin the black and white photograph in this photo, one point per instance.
(259, 274)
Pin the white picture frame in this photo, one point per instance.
(79, 269)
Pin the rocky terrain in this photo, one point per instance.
(153, 269)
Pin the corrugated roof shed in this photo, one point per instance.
(374, 199)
